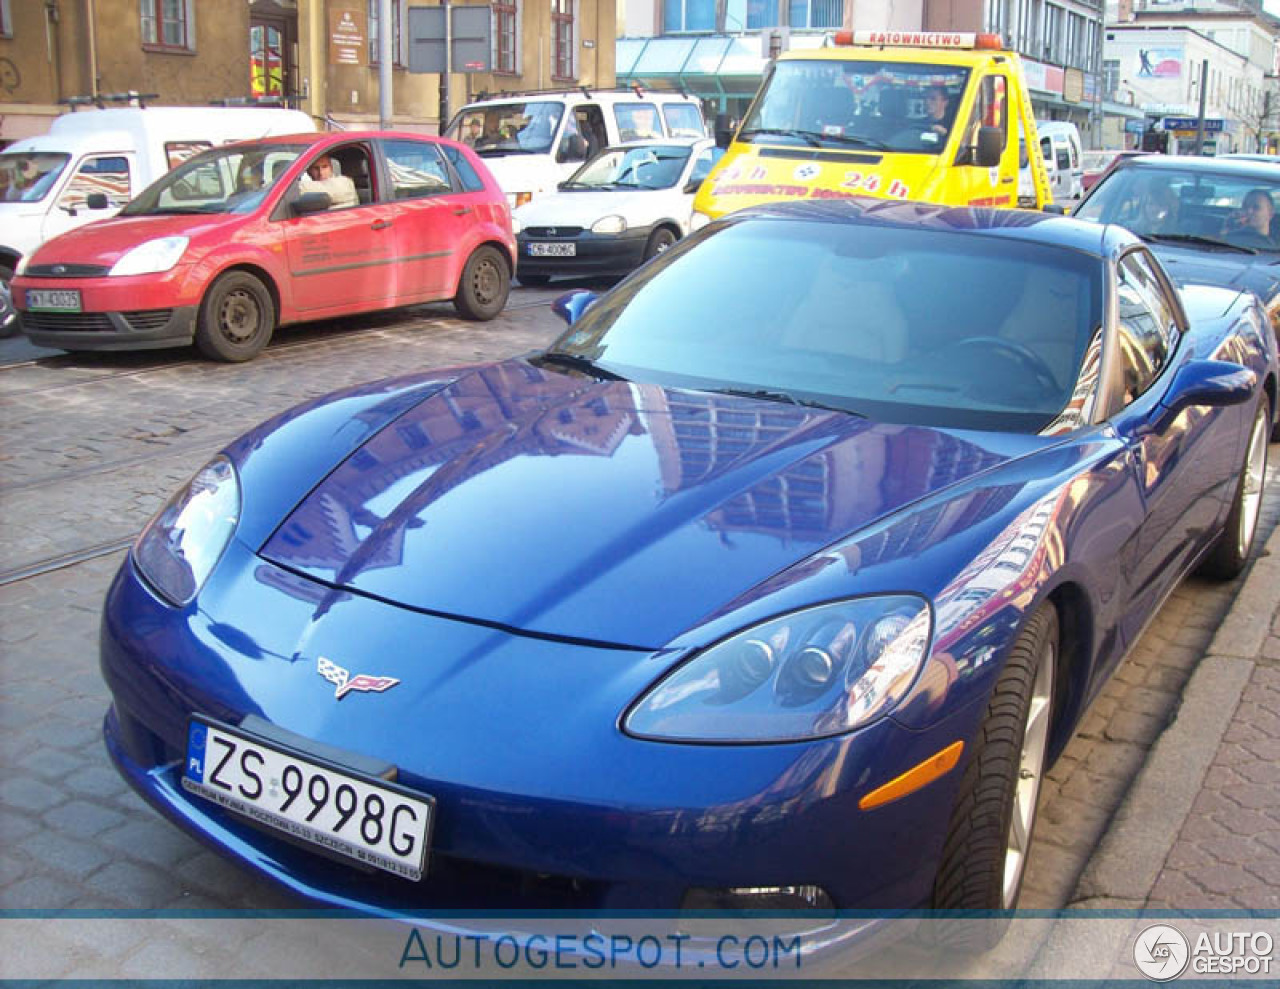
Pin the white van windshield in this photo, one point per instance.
(27, 176)
(508, 128)
(888, 106)
(232, 179)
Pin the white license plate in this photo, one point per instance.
(367, 820)
(53, 300)
(539, 250)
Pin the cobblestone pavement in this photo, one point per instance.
(94, 444)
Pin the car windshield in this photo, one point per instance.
(657, 166)
(889, 106)
(231, 179)
(27, 176)
(508, 128)
(1196, 206)
(857, 317)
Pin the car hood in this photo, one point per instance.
(581, 209)
(608, 512)
(1258, 273)
(106, 241)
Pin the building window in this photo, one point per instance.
(562, 39)
(6, 24)
(506, 34)
(397, 35)
(167, 24)
(688, 15)
(816, 13)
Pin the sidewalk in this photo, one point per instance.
(1200, 829)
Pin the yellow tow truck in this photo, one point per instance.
(941, 117)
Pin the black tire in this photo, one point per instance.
(236, 319)
(984, 829)
(484, 286)
(659, 241)
(533, 281)
(6, 276)
(1229, 556)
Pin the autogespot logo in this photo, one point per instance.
(1161, 953)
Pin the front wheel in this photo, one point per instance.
(236, 319)
(8, 315)
(984, 858)
(1231, 553)
(484, 286)
(659, 242)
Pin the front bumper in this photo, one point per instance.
(542, 802)
(595, 254)
(137, 312)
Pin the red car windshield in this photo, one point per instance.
(231, 179)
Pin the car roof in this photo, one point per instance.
(1099, 240)
(343, 137)
(662, 142)
(1241, 167)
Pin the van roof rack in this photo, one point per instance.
(634, 87)
(102, 99)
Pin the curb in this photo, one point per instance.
(1124, 868)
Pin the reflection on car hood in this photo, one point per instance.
(581, 208)
(1258, 273)
(562, 505)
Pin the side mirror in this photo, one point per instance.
(692, 186)
(572, 305)
(97, 200)
(310, 202)
(990, 147)
(1215, 384)
(1055, 209)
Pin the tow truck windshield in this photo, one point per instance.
(884, 106)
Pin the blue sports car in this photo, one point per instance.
(776, 582)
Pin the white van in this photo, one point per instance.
(533, 141)
(1063, 157)
(48, 183)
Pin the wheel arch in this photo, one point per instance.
(1075, 660)
(258, 272)
(9, 257)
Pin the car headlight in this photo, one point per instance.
(609, 225)
(151, 256)
(698, 221)
(180, 546)
(813, 673)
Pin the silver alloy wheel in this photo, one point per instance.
(1035, 743)
(1255, 466)
(239, 316)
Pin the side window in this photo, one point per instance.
(684, 120)
(591, 125)
(471, 181)
(573, 146)
(417, 170)
(1064, 160)
(989, 110)
(108, 175)
(1046, 149)
(702, 165)
(176, 152)
(1147, 331)
(637, 121)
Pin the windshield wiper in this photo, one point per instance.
(1196, 239)
(577, 362)
(808, 137)
(777, 395)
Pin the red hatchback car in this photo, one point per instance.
(245, 237)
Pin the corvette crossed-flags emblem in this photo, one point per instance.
(344, 682)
